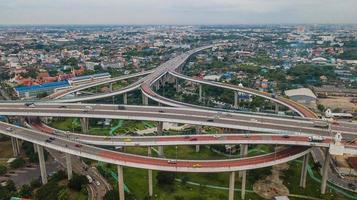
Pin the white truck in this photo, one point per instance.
(90, 180)
(316, 138)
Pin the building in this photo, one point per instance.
(302, 95)
(34, 90)
(88, 78)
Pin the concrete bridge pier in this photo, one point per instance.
(85, 125)
(42, 162)
(243, 173)
(231, 186)
(69, 166)
(121, 183)
(125, 98)
(243, 153)
(160, 126)
(176, 84)
(276, 107)
(304, 171)
(145, 100)
(14, 147)
(236, 100)
(150, 176)
(198, 131)
(200, 93)
(325, 169)
(111, 87)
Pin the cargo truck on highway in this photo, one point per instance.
(321, 124)
(316, 139)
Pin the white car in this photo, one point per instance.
(9, 129)
(97, 183)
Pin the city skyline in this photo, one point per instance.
(178, 12)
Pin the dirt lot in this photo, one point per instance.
(339, 102)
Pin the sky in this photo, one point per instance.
(177, 11)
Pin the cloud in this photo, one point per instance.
(176, 11)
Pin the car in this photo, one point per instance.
(286, 136)
(49, 141)
(63, 106)
(196, 165)
(246, 135)
(97, 183)
(9, 129)
(78, 145)
(32, 106)
(187, 137)
(161, 111)
(11, 172)
(335, 123)
(171, 161)
(121, 107)
(52, 138)
(253, 120)
(210, 120)
(127, 140)
(217, 136)
(28, 104)
(193, 139)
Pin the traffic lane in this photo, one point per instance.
(156, 161)
(220, 122)
(207, 164)
(210, 114)
(192, 139)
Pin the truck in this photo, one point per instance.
(90, 180)
(316, 139)
(320, 124)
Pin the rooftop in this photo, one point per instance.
(300, 92)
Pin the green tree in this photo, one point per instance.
(111, 195)
(25, 191)
(165, 178)
(17, 163)
(63, 194)
(321, 107)
(77, 182)
(48, 191)
(3, 169)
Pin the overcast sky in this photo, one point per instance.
(177, 11)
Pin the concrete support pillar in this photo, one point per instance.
(236, 100)
(198, 131)
(85, 125)
(35, 148)
(304, 171)
(69, 166)
(157, 85)
(243, 153)
(111, 87)
(160, 127)
(176, 85)
(125, 98)
(244, 180)
(231, 186)
(121, 183)
(145, 100)
(150, 176)
(41, 158)
(276, 108)
(325, 171)
(14, 147)
(18, 146)
(200, 93)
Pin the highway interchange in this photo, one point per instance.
(298, 128)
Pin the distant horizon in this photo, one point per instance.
(177, 12)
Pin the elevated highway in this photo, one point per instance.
(178, 115)
(124, 159)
